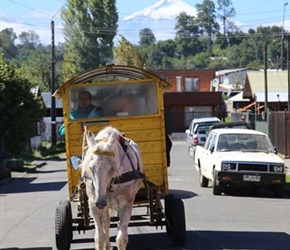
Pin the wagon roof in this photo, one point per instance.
(130, 72)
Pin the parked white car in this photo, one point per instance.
(195, 135)
(239, 158)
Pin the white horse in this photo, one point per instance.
(113, 171)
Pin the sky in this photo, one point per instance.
(37, 14)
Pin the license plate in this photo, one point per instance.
(255, 178)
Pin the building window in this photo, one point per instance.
(191, 84)
(178, 83)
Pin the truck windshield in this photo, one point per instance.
(244, 142)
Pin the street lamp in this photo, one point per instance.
(282, 35)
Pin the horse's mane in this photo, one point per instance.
(107, 132)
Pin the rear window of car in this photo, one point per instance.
(202, 129)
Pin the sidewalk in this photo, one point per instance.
(34, 165)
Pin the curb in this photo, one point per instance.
(6, 181)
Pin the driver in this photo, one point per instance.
(85, 107)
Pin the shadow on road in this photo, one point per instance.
(182, 194)
(209, 240)
(30, 248)
(25, 185)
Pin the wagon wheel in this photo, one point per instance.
(178, 223)
(168, 202)
(63, 225)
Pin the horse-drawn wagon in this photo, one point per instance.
(131, 100)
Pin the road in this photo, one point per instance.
(252, 220)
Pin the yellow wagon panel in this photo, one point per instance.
(132, 101)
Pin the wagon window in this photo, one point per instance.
(114, 100)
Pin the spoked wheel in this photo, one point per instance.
(178, 223)
(168, 201)
(63, 225)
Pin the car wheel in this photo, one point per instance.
(203, 182)
(190, 152)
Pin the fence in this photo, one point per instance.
(276, 125)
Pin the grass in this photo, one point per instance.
(43, 152)
(287, 183)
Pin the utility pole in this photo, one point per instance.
(282, 37)
(288, 69)
(52, 86)
(266, 83)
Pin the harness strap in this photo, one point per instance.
(129, 176)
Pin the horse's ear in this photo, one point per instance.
(113, 137)
(90, 138)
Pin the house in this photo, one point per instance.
(187, 80)
(189, 97)
(277, 89)
(230, 81)
(46, 122)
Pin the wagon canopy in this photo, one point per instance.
(112, 73)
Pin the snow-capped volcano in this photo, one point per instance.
(163, 9)
(159, 17)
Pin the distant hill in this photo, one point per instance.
(159, 17)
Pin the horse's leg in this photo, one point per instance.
(100, 237)
(122, 236)
(106, 225)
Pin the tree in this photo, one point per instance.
(127, 54)
(206, 17)
(19, 108)
(226, 11)
(187, 35)
(29, 39)
(89, 29)
(7, 43)
(159, 55)
(146, 37)
(36, 67)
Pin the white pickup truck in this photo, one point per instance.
(239, 158)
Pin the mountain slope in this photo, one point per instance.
(163, 9)
(159, 17)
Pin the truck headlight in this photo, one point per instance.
(277, 168)
(228, 166)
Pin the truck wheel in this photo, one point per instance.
(216, 190)
(203, 182)
(278, 191)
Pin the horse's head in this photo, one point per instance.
(100, 164)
